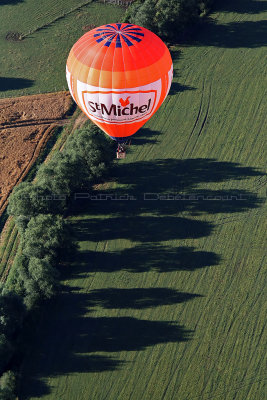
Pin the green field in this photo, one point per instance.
(165, 299)
(8, 248)
(37, 63)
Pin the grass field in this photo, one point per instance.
(8, 248)
(37, 63)
(165, 299)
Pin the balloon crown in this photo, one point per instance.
(129, 34)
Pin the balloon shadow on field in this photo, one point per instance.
(77, 336)
(14, 83)
(177, 88)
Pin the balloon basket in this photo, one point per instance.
(121, 154)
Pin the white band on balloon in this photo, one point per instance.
(118, 106)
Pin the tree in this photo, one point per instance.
(8, 386)
(28, 200)
(44, 236)
(44, 275)
(167, 18)
(61, 175)
(143, 13)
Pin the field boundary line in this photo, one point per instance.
(62, 121)
(63, 15)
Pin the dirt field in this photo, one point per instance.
(26, 123)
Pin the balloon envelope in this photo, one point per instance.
(119, 75)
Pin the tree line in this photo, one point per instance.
(45, 235)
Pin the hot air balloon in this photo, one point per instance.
(119, 75)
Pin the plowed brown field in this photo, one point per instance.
(26, 123)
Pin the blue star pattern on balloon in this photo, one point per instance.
(129, 33)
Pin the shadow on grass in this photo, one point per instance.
(143, 136)
(167, 187)
(143, 258)
(240, 6)
(247, 34)
(10, 2)
(177, 87)
(141, 229)
(137, 298)
(179, 175)
(14, 83)
(77, 336)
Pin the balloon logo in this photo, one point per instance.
(119, 75)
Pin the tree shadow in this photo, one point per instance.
(70, 342)
(14, 83)
(137, 298)
(241, 6)
(77, 336)
(169, 186)
(248, 34)
(140, 229)
(126, 334)
(33, 385)
(175, 53)
(176, 175)
(144, 258)
(10, 2)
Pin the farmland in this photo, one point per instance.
(26, 125)
(165, 299)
